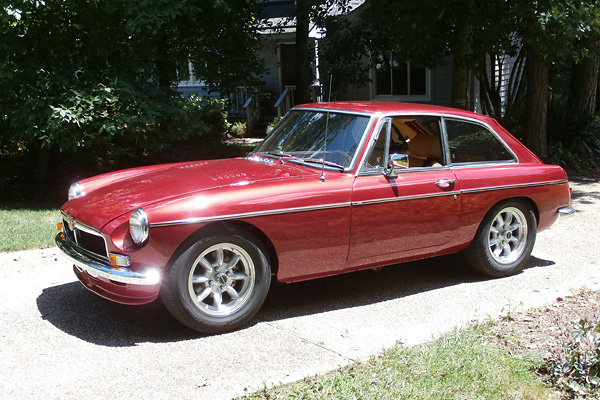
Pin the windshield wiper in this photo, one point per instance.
(323, 162)
(279, 154)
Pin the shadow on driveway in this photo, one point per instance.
(74, 310)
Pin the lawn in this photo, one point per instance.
(27, 228)
(462, 364)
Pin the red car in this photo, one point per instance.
(335, 187)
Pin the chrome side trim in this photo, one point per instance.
(405, 198)
(523, 185)
(566, 211)
(247, 215)
(96, 269)
(200, 220)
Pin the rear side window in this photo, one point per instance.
(470, 142)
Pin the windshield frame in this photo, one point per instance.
(317, 165)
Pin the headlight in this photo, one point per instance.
(138, 226)
(75, 191)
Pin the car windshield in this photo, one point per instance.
(301, 135)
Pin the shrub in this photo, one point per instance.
(573, 139)
(273, 123)
(577, 367)
(238, 129)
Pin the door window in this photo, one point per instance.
(406, 142)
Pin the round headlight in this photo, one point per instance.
(138, 226)
(75, 191)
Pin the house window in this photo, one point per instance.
(398, 80)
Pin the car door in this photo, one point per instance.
(405, 200)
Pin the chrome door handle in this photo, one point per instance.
(445, 183)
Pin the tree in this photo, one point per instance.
(584, 73)
(548, 30)
(83, 72)
(424, 33)
(473, 32)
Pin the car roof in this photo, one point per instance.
(390, 107)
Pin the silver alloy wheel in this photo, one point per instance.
(507, 235)
(222, 279)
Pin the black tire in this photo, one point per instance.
(504, 240)
(218, 284)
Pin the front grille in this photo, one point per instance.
(86, 239)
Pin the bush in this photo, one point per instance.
(573, 139)
(273, 123)
(205, 118)
(238, 129)
(577, 367)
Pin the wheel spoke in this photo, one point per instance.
(204, 294)
(217, 298)
(506, 250)
(499, 219)
(227, 267)
(494, 230)
(497, 250)
(508, 218)
(219, 257)
(230, 290)
(204, 263)
(200, 279)
(239, 276)
(514, 227)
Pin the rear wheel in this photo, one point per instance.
(218, 284)
(504, 240)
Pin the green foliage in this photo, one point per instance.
(574, 139)
(238, 129)
(577, 367)
(273, 123)
(93, 73)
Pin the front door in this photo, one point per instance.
(411, 214)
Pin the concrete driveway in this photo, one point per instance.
(58, 341)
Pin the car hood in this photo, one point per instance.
(111, 195)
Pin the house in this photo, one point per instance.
(390, 80)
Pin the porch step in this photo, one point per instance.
(260, 129)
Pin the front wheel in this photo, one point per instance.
(504, 240)
(218, 284)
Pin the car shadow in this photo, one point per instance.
(74, 310)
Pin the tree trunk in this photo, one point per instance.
(584, 82)
(537, 101)
(303, 54)
(461, 74)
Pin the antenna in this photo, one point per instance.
(322, 178)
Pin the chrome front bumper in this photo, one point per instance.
(98, 270)
(566, 211)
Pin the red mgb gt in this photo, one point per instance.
(335, 187)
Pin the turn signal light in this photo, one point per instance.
(117, 260)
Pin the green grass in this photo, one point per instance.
(22, 229)
(459, 365)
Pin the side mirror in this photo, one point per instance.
(396, 161)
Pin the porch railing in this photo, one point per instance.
(244, 102)
(285, 101)
(252, 108)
